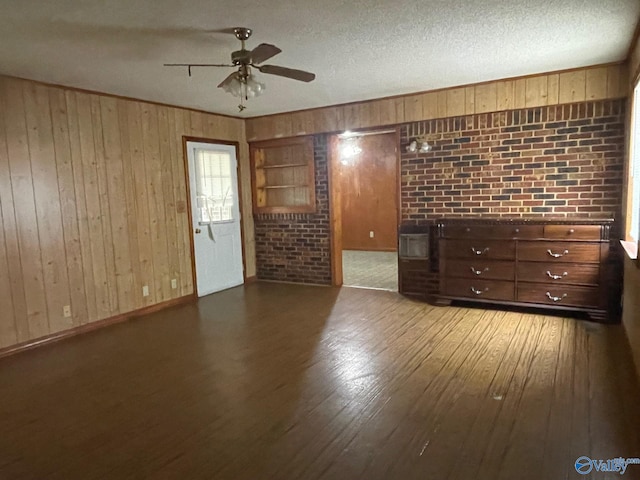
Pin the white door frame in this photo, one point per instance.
(192, 251)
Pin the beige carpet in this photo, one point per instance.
(370, 269)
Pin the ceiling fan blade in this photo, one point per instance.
(198, 65)
(263, 52)
(287, 72)
(228, 79)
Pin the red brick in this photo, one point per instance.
(591, 175)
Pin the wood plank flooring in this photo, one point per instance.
(279, 381)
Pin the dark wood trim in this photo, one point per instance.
(398, 180)
(122, 97)
(393, 97)
(241, 211)
(335, 210)
(252, 279)
(285, 282)
(212, 140)
(185, 159)
(187, 179)
(89, 327)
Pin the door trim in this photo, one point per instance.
(335, 211)
(185, 159)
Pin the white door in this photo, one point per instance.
(215, 210)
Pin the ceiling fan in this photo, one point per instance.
(242, 83)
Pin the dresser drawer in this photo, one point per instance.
(493, 231)
(479, 248)
(569, 295)
(481, 269)
(559, 252)
(479, 289)
(559, 273)
(573, 232)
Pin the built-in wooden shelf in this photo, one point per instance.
(283, 176)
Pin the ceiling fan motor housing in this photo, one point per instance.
(241, 57)
(242, 33)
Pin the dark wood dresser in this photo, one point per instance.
(560, 264)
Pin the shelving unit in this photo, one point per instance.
(283, 176)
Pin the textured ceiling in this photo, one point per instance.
(359, 49)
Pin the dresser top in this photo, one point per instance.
(530, 220)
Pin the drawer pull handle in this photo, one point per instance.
(479, 292)
(517, 230)
(571, 230)
(556, 299)
(479, 272)
(556, 255)
(556, 277)
(479, 252)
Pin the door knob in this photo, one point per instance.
(198, 230)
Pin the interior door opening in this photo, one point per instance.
(215, 216)
(364, 186)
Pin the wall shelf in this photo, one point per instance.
(283, 176)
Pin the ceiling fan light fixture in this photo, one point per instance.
(234, 86)
(253, 87)
(242, 83)
(247, 87)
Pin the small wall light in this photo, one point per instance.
(418, 145)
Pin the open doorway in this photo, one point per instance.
(365, 209)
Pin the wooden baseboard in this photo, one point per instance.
(88, 327)
(252, 279)
(264, 280)
(370, 249)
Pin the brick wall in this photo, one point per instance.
(296, 247)
(563, 161)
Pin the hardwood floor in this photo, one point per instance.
(285, 382)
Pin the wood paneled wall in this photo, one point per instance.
(92, 197)
(369, 194)
(593, 83)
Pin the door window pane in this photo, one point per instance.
(214, 186)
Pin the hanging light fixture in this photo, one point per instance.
(244, 85)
